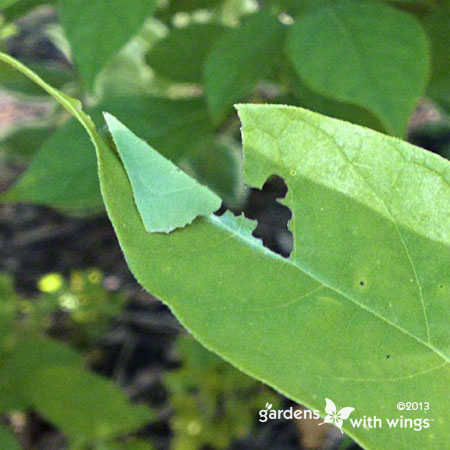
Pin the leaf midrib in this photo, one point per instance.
(257, 245)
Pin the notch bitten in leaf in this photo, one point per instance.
(165, 196)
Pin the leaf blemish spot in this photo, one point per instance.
(293, 172)
(388, 356)
(361, 283)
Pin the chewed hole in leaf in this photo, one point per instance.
(262, 205)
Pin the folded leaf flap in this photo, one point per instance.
(166, 197)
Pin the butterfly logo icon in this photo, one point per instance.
(334, 416)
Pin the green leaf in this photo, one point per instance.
(22, 142)
(7, 309)
(294, 7)
(130, 444)
(63, 173)
(180, 55)
(166, 197)
(19, 8)
(8, 440)
(82, 404)
(174, 127)
(359, 312)
(5, 3)
(325, 105)
(98, 29)
(192, 5)
(367, 54)
(26, 355)
(437, 25)
(241, 58)
(182, 131)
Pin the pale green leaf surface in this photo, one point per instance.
(241, 58)
(166, 197)
(368, 54)
(359, 312)
(98, 29)
(181, 54)
(7, 440)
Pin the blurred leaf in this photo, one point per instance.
(82, 404)
(294, 7)
(8, 440)
(98, 29)
(368, 54)
(181, 54)
(5, 3)
(21, 7)
(326, 105)
(130, 444)
(207, 395)
(127, 73)
(7, 309)
(219, 166)
(191, 5)
(165, 196)
(63, 173)
(12, 80)
(30, 353)
(241, 58)
(437, 25)
(22, 142)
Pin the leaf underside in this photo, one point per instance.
(166, 197)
